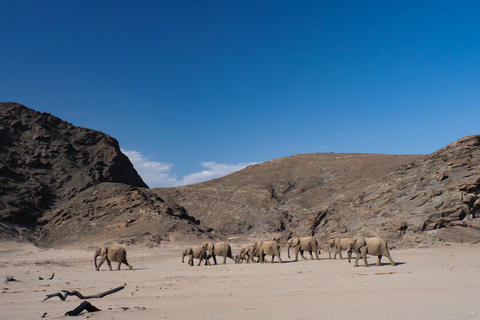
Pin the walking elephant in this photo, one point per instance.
(309, 244)
(246, 253)
(196, 253)
(263, 248)
(339, 245)
(111, 254)
(372, 246)
(219, 249)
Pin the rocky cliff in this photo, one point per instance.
(44, 160)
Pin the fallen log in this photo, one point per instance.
(81, 296)
(85, 305)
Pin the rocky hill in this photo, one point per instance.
(62, 184)
(408, 199)
(44, 160)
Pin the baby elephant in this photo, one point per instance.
(111, 254)
(197, 253)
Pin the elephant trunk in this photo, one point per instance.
(288, 251)
(183, 257)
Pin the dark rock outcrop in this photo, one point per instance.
(44, 160)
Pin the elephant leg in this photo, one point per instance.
(109, 264)
(127, 264)
(225, 259)
(364, 256)
(279, 258)
(316, 254)
(349, 255)
(356, 258)
(311, 255)
(301, 253)
(102, 260)
(199, 262)
(119, 264)
(379, 261)
(273, 257)
(390, 258)
(340, 254)
(214, 259)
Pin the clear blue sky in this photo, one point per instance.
(195, 89)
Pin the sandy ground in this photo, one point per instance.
(427, 283)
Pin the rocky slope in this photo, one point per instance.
(408, 199)
(61, 184)
(44, 160)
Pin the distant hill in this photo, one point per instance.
(63, 184)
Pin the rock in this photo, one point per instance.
(458, 234)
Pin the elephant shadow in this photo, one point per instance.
(385, 264)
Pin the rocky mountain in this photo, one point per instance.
(62, 184)
(44, 160)
(408, 199)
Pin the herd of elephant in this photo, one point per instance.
(257, 252)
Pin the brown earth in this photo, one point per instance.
(62, 184)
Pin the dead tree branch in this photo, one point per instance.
(81, 296)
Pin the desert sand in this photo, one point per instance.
(428, 283)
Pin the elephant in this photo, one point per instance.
(219, 249)
(111, 254)
(197, 253)
(246, 253)
(303, 244)
(263, 248)
(373, 246)
(338, 245)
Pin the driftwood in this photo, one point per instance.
(85, 305)
(81, 296)
(53, 275)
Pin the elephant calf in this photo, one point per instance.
(338, 245)
(111, 254)
(246, 253)
(196, 253)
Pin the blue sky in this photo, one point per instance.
(194, 90)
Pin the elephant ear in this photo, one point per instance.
(208, 246)
(295, 242)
